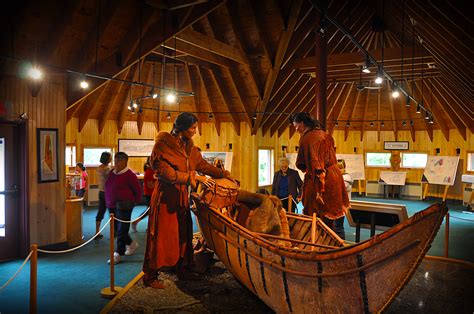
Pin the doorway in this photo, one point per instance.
(13, 217)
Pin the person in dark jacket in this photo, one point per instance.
(286, 182)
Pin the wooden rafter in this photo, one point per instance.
(305, 105)
(222, 89)
(364, 115)
(140, 115)
(123, 107)
(338, 108)
(429, 129)
(108, 106)
(195, 89)
(239, 92)
(88, 107)
(205, 83)
(392, 113)
(351, 116)
(268, 48)
(279, 55)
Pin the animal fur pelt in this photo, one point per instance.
(264, 214)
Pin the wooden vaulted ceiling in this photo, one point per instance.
(244, 59)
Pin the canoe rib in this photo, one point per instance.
(369, 274)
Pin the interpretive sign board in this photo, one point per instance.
(393, 177)
(136, 147)
(354, 165)
(224, 157)
(441, 169)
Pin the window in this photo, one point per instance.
(470, 161)
(70, 156)
(414, 160)
(92, 155)
(378, 159)
(265, 167)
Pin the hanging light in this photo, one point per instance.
(35, 73)
(168, 116)
(418, 108)
(379, 78)
(395, 91)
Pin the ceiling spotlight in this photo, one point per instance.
(171, 98)
(372, 124)
(35, 73)
(336, 124)
(395, 91)
(379, 78)
(210, 116)
(412, 123)
(140, 110)
(431, 119)
(84, 84)
(254, 116)
(134, 105)
(427, 115)
(366, 65)
(168, 116)
(418, 108)
(408, 101)
(382, 124)
(129, 108)
(404, 123)
(348, 124)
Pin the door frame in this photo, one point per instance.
(23, 185)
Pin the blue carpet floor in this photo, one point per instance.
(72, 282)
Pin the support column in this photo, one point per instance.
(319, 110)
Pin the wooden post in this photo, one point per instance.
(290, 203)
(425, 191)
(446, 187)
(313, 230)
(446, 236)
(33, 279)
(359, 187)
(110, 292)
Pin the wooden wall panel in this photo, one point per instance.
(245, 147)
(47, 110)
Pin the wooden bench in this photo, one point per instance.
(375, 216)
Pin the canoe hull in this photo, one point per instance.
(364, 277)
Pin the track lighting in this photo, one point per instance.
(210, 116)
(168, 116)
(366, 65)
(427, 115)
(395, 93)
(408, 101)
(348, 124)
(254, 116)
(382, 124)
(431, 119)
(35, 73)
(372, 124)
(153, 94)
(336, 124)
(379, 79)
(418, 108)
(404, 123)
(171, 98)
(412, 123)
(84, 84)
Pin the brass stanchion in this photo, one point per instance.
(446, 236)
(33, 278)
(112, 291)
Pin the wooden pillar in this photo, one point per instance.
(319, 110)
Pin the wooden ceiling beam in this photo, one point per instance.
(279, 56)
(276, 102)
(338, 108)
(353, 58)
(211, 45)
(218, 81)
(195, 89)
(302, 86)
(123, 107)
(268, 48)
(351, 116)
(150, 42)
(307, 103)
(205, 83)
(111, 103)
(294, 104)
(88, 106)
(392, 112)
(330, 123)
(70, 113)
(148, 73)
(239, 92)
(429, 129)
(364, 114)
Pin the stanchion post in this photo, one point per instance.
(290, 203)
(446, 236)
(110, 292)
(33, 278)
(313, 230)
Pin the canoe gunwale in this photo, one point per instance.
(317, 275)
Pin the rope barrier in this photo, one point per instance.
(76, 247)
(470, 220)
(17, 272)
(131, 221)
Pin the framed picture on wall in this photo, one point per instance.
(136, 147)
(47, 155)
